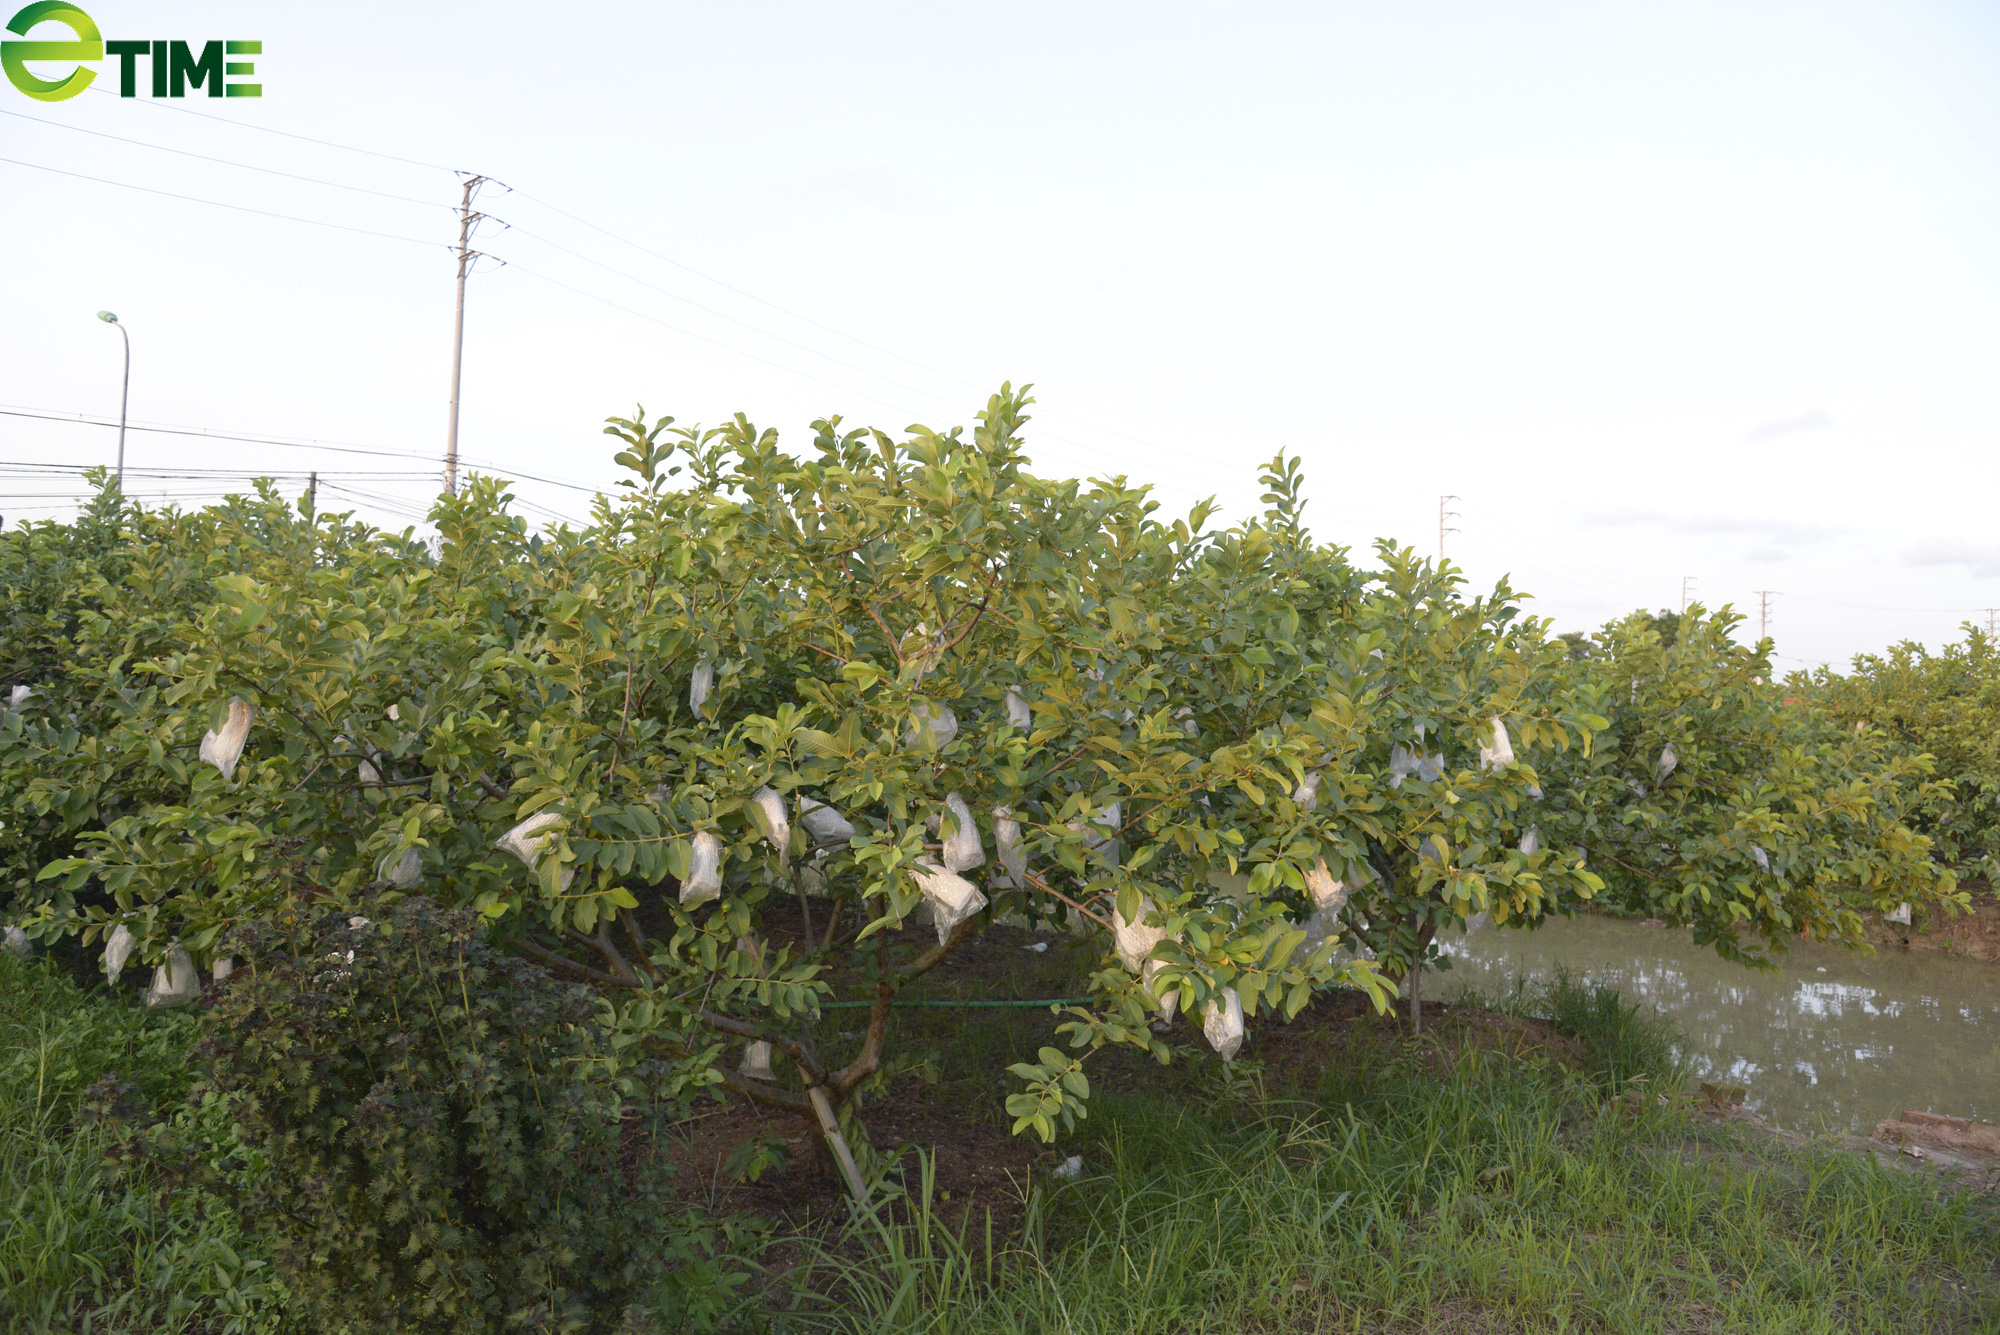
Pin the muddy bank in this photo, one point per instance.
(1973, 936)
(1961, 1150)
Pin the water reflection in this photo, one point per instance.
(1833, 1041)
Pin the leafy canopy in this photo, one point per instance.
(1266, 769)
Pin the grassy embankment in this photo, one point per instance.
(1467, 1181)
(1443, 1185)
(84, 1247)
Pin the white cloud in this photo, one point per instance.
(1780, 427)
(1981, 559)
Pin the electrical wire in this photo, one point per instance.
(303, 138)
(1048, 435)
(204, 433)
(26, 468)
(245, 166)
(216, 203)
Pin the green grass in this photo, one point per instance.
(1489, 1194)
(83, 1248)
(1501, 1195)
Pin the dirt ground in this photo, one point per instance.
(1974, 935)
(980, 1167)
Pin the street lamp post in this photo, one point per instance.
(124, 395)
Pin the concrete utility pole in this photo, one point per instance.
(1444, 514)
(1764, 610)
(312, 492)
(466, 220)
(1685, 581)
(124, 395)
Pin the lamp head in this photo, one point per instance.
(107, 317)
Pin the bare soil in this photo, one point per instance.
(1974, 935)
(980, 1168)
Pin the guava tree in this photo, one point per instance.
(778, 729)
(1945, 705)
(1719, 800)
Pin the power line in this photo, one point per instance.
(1047, 435)
(216, 203)
(204, 434)
(245, 166)
(303, 138)
(29, 467)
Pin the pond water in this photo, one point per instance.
(1834, 1041)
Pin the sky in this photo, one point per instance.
(1678, 300)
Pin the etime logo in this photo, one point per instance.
(175, 66)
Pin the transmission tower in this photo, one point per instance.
(1444, 514)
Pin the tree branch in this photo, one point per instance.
(603, 945)
(756, 1091)
(639, 944)
(870, 1059)
(895, 645)
(1045, 888)
(547, 956)
(970, 628)
(791, 1047)
(937, 955)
